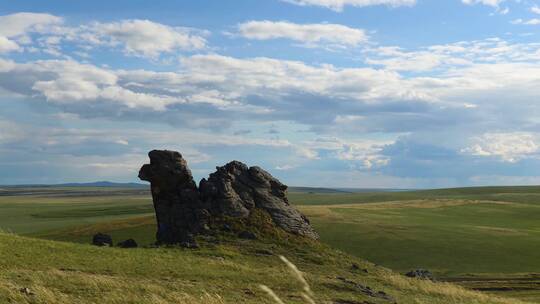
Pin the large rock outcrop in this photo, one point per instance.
(233, 191)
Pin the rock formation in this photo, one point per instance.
(101, 240)
(233, 191)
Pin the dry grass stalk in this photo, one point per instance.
(307, 295)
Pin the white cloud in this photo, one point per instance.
(135, 37)
(458, 55)
(70, 82)
(509, 147)
(368, 156)
(504, 11)
(147, 38)
(322, 34)
(408, 61)
(214, 90)
(494, 3)
(7, 45)
(21, 23)
(535, 9)
(285, 167)
(271, 77)
(338, 5)
(15, 28)
(534, 21)
(363, 154)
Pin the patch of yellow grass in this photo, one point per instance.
(93, 288)
(500, 230)
(326, 211)
(457, 293)
(422, 203)
(109, 226)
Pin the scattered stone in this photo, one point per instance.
(247, 235)
(420, 274)
(234, 191)
(192, 244)
(102, 240)
(367, 290)
(129, 243)
(355, 267)
(26, 291)
(226, 228)
(248, 292)
(263, 252)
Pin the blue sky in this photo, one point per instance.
(332, 93)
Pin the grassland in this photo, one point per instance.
(43, 271)
(482, 238)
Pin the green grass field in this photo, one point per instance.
(482, 238)
(231, 271)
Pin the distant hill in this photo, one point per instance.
(342, 190)
(105, 184)
(315, 190)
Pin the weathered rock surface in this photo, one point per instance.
(233, 191)
(129, 243)
(101, 239)
(176, 198)
(236, 189)
(420, 274)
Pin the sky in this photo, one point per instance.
(324, 93)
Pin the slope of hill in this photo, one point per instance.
(223, 271)
(481, 238)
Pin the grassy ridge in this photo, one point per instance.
(521, 194)
(229, 272)
(460, 240)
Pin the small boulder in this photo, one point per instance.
(247, 235)
(191, 244)
(226, 228)
(101, 240)
(27, 291)
(129, 243)
(420, 274)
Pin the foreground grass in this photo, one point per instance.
(229, 272)
(482, 238)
